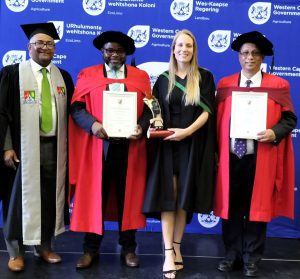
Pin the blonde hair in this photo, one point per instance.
(192, 95)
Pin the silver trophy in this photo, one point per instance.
(156, 123)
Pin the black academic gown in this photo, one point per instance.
(10, 115)
(196, 156)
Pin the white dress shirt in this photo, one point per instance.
(120, 75)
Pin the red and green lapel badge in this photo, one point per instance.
(29, 97)
(61, 91)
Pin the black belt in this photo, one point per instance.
(48, 139)
(118, 140)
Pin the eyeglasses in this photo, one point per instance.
(41, 44)
(254, 54)
(111, 51)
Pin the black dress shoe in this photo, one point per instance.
(226, 265)
(86, 260)
(250, 269)
(130, 259)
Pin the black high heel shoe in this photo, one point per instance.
(179, 264)
(171, 271)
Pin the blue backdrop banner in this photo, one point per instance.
(153, 24)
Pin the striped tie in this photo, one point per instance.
(46, 116)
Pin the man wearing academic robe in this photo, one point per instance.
(255, 179)
(33, 120)
(108, 173)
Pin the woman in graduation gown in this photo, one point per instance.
(181, 170)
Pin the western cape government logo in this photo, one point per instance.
(140, 35)
(154, 69)
(259, 12)
(181, 9)
(219, 40)
(16, 5)
(264, 67)
(93, 7)
(13, 57)
(59, 25)
(208, 220)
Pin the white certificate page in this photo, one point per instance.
(119, 113)
(248, 114)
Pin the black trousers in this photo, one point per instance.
(244, 240)
(48, 167)
(114, 170)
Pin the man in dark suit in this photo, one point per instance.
(255, 180)
(33, 122)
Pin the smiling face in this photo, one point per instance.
(183, 49)
(41, 55)
(114, 55)
(250, 59)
